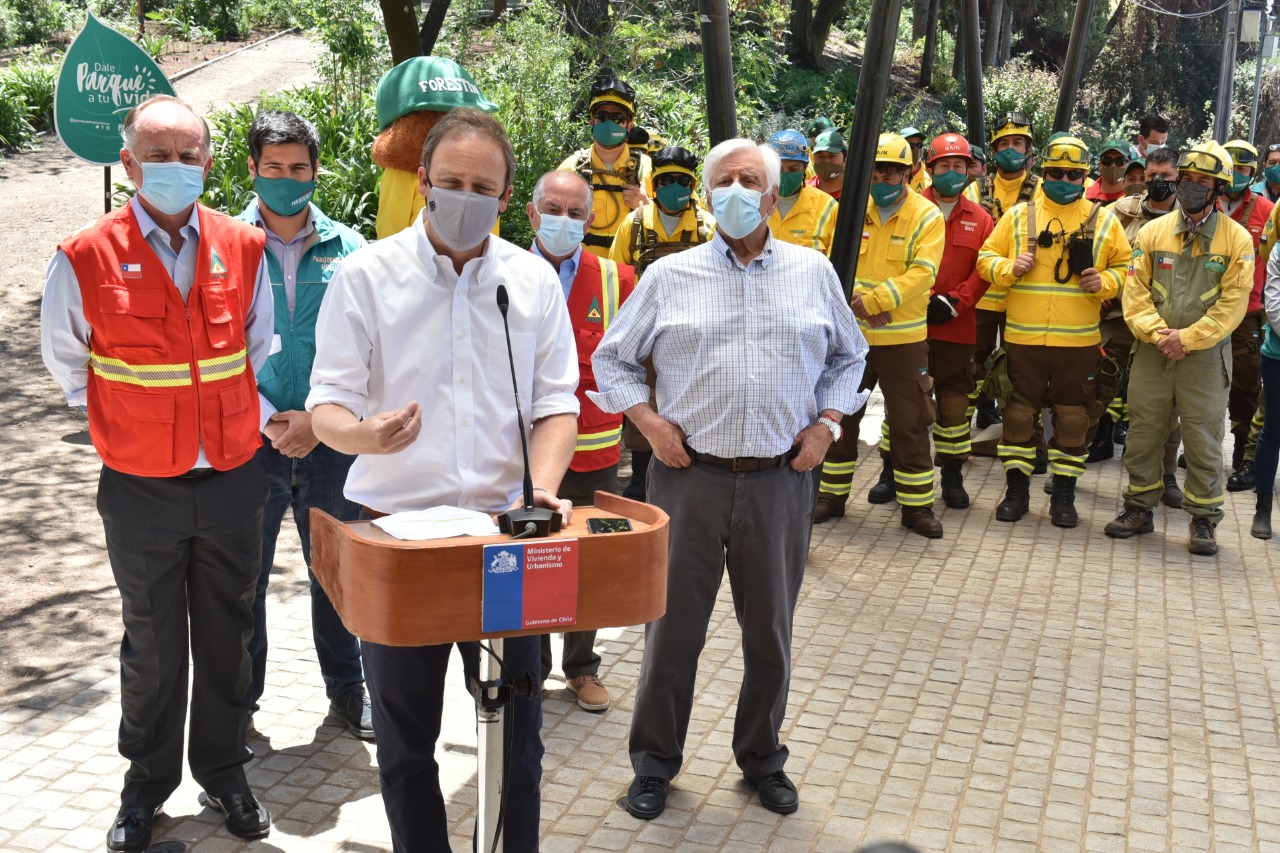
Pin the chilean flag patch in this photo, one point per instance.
(131, 270)
(1164, 263)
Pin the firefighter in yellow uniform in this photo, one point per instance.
(918, 177)
(1056, 258)
(1187, 290)
(805, 216)
(1011, 182)
(619, 175)
(902, 242)
(673, 224)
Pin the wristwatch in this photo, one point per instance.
(836, 431)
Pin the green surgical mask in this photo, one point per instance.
(1272, 174)
(610, 134)
(789, 183)
(284, 196)
(1240, 182)
(950, 183)
(1010, 160)
(674, 197)
(887, 195)
(1062, 192)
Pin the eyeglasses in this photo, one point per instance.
(667, 178)
(915, 146)
(789, 149)
(1113, 160)
(1017, 117)
(1064, 174)
(605, 115)
(1242, 158)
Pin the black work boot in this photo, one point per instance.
(884, 491)
(953, 493)
(988, 414)
(1243, 479)
(1042, 461)
(638, 488)
(1017, 496)
(1200, 539)
(1261, 528)
(1120, 432)
(1062, 505)
(1172, 496)
(1102, 447)
(1237, 450)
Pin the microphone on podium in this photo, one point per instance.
(530, 521)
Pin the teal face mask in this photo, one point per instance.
(1240, 183)
(1062, 192)
(1010, 160)
(789, 183)
(1272, 174)
(674, 197)
(284, 196)
(610, 134)
(950, 183)
(886, 195)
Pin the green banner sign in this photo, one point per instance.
(103, 76)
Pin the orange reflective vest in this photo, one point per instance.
(166, 378)
(599, 288)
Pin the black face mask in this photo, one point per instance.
(1160, 189)
(1193, 197)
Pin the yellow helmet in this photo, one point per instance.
(1014, 123)
(892, 148)
(1065, 152)
(1242, 153)
(1208, 158)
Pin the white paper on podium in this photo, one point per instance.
(439, 522)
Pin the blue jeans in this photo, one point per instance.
(1268, 453)
(315, 480)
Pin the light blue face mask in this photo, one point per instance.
(171, 187)
(560, 235)
(737, 210)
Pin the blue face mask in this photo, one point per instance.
(737, 210)
(171, 187)
(284, 196)
(560, 235)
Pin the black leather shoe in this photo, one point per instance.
(132, 829)
(353, 708)
(1244, 478)
(245, 816)
(647, 797)
(777, 793)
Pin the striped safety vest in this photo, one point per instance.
(599, 288)
(167, 378)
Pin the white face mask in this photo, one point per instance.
(560, 235)
(462, 220)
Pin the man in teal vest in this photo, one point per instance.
(304, 248)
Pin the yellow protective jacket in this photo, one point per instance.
(606, 191)
(1001, 195)
(921, 180)
(1270, 235)
(1040, 310)
(1197, 284)
(897, 265)
(641, 247)
(811, 222)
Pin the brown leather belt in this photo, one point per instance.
(742, 464)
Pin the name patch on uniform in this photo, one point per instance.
(131, 270)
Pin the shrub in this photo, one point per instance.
(1018, 86)
(33, 21)
(15, 130)
(32, 82)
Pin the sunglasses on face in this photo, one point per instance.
(1112, 160)
(915, 146)
(1064, 174)
(605, 115)
(668, 179)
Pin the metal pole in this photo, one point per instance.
(717, 59)
(489, 754)
(973, 72)
(1074, 66)
(1257, 78)
(873, 86)
(1226, 83)
(106, 189)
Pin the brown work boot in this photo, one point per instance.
(1131, 521)
(591, 693)
(827, 508)
(921, 520)
(1201, 541)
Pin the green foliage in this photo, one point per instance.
(275, 14)
(1019, 86)
(357, 50)
(24, 22)
(15, 130)
(156, 45)
(222, 18)
(31, 82)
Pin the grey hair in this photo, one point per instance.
(540, 188)
(770, 159)
(129, 131)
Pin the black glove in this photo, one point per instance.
(940, 310)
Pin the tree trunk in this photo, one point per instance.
(930, 45)
(1117, 18)
(991, 37)
(824, 17)
(587, 19)
(919, 19)
(1006, 37)
(800, 34)
(957, 61)
(401, 23)
(431, 24)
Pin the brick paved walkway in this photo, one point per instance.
(1007, 688)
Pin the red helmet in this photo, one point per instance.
(949, 145)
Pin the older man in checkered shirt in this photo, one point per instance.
(757, 357)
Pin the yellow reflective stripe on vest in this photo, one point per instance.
(610, 289)
(147, 375)
(588, 441)
(223, 367)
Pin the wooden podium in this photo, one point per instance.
(400, 593)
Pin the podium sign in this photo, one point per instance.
(530, 585)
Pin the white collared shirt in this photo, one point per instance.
(398, 325)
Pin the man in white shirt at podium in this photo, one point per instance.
(410, 342)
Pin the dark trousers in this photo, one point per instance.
(315, 480)
(990, 329)
(1246, 375)
(952, 367)
(1061, 378)
(1268, 451)
(579, 654)
(406, 688)
(185, 554)
(756, 527)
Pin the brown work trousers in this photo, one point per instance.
(1061, 378)
(953, 370)
(902, 372)
(1246, 373)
